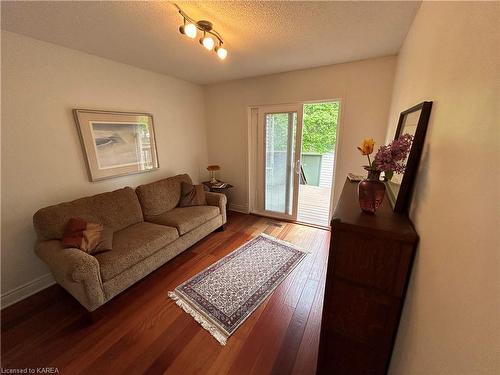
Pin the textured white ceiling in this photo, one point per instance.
(261, 37)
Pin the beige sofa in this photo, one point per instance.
(149, 230)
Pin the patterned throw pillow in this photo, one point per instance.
(89, 237)
(192, 195)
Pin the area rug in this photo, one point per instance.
(223, 296)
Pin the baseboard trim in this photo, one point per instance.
(26, 290)
(238, 208)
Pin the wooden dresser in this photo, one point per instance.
(369, 265)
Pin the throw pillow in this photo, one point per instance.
(89, 237)
(192, 195)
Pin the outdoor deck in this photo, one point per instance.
(314, 203)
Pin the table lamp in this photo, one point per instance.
(212, 169)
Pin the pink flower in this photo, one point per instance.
(392, 158)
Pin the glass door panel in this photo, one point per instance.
(280, 131)
(278, 157)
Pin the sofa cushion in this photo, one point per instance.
(89, 237)
(116, 210)
(133, 244)
(161, 196)
(186, 219)
(192, 195)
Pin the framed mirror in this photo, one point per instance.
(413, 121)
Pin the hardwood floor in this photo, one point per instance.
(142, 331)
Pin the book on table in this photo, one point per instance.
(219, 185)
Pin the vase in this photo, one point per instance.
(371, 192)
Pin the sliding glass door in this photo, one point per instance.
(278, 160)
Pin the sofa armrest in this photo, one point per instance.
(75, 270)
(218, 200)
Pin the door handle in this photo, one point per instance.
(297, 167)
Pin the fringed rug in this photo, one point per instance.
(223, 295)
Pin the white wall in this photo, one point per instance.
(42, 159)
(451, 319)
(364, 87)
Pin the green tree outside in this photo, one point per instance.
(318, 131)
(320, 127)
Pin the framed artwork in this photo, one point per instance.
(116, 143)
(413, 121)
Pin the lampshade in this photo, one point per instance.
(221, 52)
(208, 43)
(190, 30)
(213, 168)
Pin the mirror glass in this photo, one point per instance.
(408, 126)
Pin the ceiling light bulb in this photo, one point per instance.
(221, 52)
(190, 30)
(208, 43)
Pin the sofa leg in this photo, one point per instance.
(220, 229)
(94, 316)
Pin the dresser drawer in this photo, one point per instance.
(371, 261)
(349, 357)
(361, 314)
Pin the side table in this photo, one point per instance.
(210, 186)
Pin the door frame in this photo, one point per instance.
(259, 160)
(252, 113)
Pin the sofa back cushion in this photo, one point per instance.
(116, 210)
(161, 196)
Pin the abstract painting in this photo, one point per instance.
(116, 143)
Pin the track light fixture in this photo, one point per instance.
(190, 28)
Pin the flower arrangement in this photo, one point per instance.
(389, 159)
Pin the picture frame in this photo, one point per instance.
(413, 121)
(116, 143)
